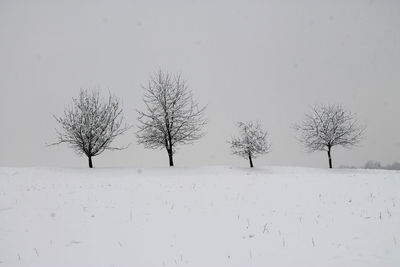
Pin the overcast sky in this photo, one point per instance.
(246, 60)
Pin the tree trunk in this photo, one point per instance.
(90, 162)
(170, 156)
(329, 157)
(251, 161)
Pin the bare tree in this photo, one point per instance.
(91, 124)
(251, 142)
(327, 126)
(171, 117)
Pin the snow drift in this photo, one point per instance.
(210, 216)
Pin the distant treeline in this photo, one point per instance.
(372, 164)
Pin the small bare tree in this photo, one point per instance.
(171, 117)
(91, 124)
(252, 141)
(327, 126)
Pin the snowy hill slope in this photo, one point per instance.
(211, 216)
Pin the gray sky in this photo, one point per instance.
(247, 60)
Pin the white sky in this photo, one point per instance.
(247, 60)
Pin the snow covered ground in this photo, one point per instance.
(209, 216)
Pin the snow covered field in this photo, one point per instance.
(209, 216)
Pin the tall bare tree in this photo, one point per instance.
(327, 126)
(90, 124)
(172, 117)
(252, 141)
